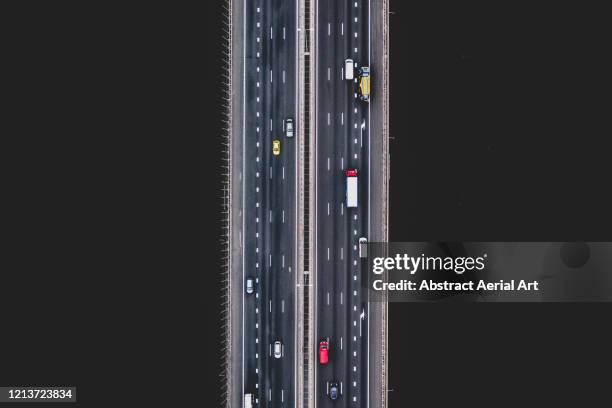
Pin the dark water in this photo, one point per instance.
(500, 126)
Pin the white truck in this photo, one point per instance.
(351, 188)
(249, 400)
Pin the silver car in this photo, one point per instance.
(363, 247)
(278, 349)
(289, 127)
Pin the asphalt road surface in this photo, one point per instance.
(342, 135)
(269, 201)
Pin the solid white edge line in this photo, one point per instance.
(369, 203)
(244, 33)
(295, 246)
(314, 266)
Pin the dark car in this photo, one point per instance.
(333, 391)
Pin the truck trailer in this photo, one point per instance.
(351, 188)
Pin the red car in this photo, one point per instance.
(323, 351)
(351, 173)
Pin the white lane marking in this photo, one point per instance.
(270, 394)
(257, 99)
(283, 33)
(328, 29)
(354, 383)
(355, 141)
(355, 34)
(328, 161)
(270, 217)
(355, 155)
(328, 208)
(342, 209)
(258, 24)
(328, 253)
(355, 19)
(256, 310)
(328, 298)
(270, 76)
(283, 172)
(342, 118)
(355, 50)
(342, 253)
(282, 395)
(342, 163)
(355, 4)
(283, 216)
(270, 306)
(340, 343)
(257, 84)
(258, 10)
(271, 36)
(257, 54)
(355, 112)
(329, 73)
(328, 118)
(282, 306)
(270, 260)
(283, 76)
(340, 297)
(270, 171)
(342, 28)
(283, 260)
(258, 39)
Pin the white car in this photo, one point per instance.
(349, 69)
(278, 349)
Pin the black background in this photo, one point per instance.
(499, 127)
(111, 158)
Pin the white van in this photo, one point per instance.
(349, 69)
(363, 247)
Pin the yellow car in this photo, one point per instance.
(276, 147)
(364, 83)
